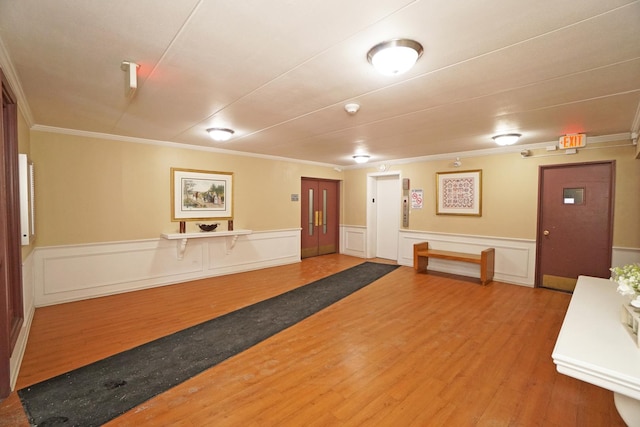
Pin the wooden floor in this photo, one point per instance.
(408, 350)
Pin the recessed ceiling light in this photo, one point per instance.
(507, 138)
(361, 158)
(394, 56)
(220, 134)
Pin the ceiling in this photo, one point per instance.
(280, 72)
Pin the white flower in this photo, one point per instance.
(627, 278)
(625, 289)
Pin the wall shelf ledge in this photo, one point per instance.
(183, 238)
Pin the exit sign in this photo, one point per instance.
(574, 140)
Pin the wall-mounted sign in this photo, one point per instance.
(574, 140)
(417, 197)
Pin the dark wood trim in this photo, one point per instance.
(11, 298)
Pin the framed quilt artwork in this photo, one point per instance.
(459, 193)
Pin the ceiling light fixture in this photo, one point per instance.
(361, 158)
(394, 56)
(507, 138)
(220, 134)
(352, 108)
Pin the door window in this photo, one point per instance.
(573, 196)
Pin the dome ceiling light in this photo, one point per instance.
(507, 138)
(220, 134)
(352, 108)
(394, 56)
(361, 158)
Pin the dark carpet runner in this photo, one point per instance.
(101, 391)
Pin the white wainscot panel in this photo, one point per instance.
(623, 256)
(76, 272)
(254, 251)
(68, 273)
(353, 240)
(514, 263)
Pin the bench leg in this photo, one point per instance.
(421, 266)
(487, 265)
(420, 262)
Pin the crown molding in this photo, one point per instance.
(135, 140)
(16, 87)
(488, 151)
(338, 168)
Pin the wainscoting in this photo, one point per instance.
(69, 273)
(515, 258)
(353, 240)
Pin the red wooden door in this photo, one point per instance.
(319, 217)
(575, 223)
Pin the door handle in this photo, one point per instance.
(546, 232)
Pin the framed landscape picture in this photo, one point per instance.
(459, 193)
(201, 195)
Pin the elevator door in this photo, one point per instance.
(319, 217)
(388, 202)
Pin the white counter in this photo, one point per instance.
(594, 346)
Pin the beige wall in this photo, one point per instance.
(510, 193)
(96, 190)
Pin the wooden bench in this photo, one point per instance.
(486, 259)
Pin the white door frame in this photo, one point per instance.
(372, 211)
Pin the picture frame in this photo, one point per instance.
(459, 193)
(201, 195)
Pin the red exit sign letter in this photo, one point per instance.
(575, 140)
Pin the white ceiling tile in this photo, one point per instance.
(279, 73)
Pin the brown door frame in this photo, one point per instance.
(11, 304)
(540, 231)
